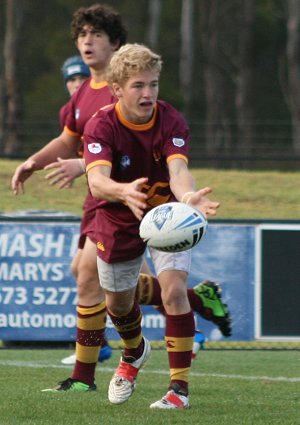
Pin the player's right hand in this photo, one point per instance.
(65, 171)
(22, 173)
(134, 198)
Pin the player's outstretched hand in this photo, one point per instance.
(201, 201)
(22, 173)
(134, 198)
(65, 171)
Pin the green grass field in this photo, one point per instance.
(227, 387)
(243, 194)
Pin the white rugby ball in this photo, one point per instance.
(173, 227)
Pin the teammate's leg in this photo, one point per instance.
(91, 318)
(205, 299)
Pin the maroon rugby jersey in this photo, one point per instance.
(133, 151)
(85, 102)
(63, 113)
(89, 97)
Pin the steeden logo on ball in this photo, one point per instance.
(173, 227)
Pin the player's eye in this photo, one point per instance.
(98, 34)
(137, 86)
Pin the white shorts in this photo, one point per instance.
(162, 261)
(120, 277)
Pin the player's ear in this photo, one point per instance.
(117, 89)
(116, 45)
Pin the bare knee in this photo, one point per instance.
(75, 264)
(88, 285)
(117, 310)
(119, 303)
(173, 296)
(74, 269)
(174, 293)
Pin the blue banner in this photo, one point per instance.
(38, 291)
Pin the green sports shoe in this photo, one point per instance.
(71, 385)
(214, 309)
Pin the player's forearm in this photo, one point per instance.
(49, 153)
(105, 188)
(181, 180)
(181, 184)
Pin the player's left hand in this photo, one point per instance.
(201, 201)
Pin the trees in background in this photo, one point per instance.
(245, 74)
(232, 67)
(216, 75)
(154, 23)
(11, 105)
(187, 52)
(293, 65)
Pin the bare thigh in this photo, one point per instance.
(88, 287)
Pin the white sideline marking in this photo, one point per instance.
(156, 372)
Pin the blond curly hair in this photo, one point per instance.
(129, 60)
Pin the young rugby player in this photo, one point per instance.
(136, 154)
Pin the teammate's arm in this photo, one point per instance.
(63, 146)
(65, 171)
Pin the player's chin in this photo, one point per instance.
(145, 113)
